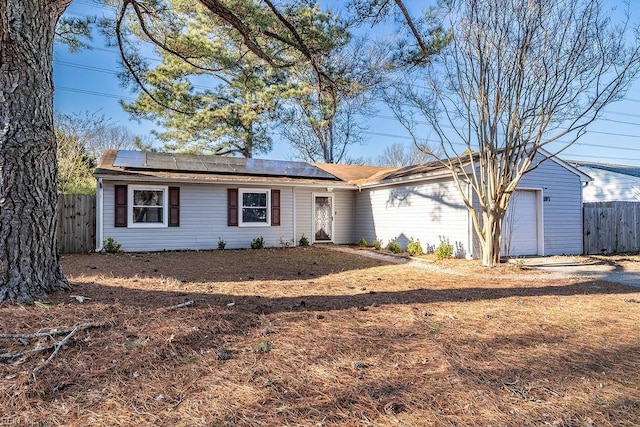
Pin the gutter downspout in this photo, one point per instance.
(295, 218)
(99, 222)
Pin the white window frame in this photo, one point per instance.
(241, 192)
(165, 206)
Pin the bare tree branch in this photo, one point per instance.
(517, 77)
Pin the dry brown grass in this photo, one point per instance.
(319, 338)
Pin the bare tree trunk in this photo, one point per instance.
(29, 261)
(491, 243)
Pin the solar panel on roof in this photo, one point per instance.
(285, 168)
(217, 164)
(190, 163)
(164, 161)
(130, 159)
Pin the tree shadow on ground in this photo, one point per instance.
(229, 265)
(102, 293)
(152, 363)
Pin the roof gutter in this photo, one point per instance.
(403, 180)
(190, 180)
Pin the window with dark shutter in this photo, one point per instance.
(120, 219)
(232, 205)
(174, 206)
(275, 207)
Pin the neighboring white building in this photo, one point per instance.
(611, 183)
(157, 201)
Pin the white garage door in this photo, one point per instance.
(520, 225)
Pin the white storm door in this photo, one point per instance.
(323, 218)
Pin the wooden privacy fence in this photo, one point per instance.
(611, 227)
(76, 223)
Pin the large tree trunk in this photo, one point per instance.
(29, 261)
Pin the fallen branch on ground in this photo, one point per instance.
(51, 333)
(56, 346)
(181, 305)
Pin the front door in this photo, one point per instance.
(323, 218)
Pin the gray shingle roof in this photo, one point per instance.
(621, 169)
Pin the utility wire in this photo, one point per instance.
(372, 133)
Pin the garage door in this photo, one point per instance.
(520, 226)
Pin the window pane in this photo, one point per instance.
(150, 214)
(254, 199)
(148, 197)
(254, 215)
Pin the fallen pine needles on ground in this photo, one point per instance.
(313, 337)
(55, 346)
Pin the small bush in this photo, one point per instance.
(363, 242)
(283, 243)
(394, 247)
(257, 243)
(377, 244)
(189, 359)
(444, 249)
(304, 241)
(111, 246)
(414, 247)
(221, 244)
(263, 347)
(131, 345)
(519, 264)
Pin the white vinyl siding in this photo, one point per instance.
(424, 211)
(203, 220)
(610, 186)
(561, 207)
(561, 192)
(304, 213)
(343, 219)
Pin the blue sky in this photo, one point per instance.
(87, 81)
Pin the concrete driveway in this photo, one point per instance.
(560, 266)
(586, 267)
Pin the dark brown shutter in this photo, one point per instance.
(232, 205)
(174, 206)
(275, 207)
(121, 206)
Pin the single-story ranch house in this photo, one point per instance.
(156, 201)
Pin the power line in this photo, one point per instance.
(388, 135)
(372, 133)
(85, 67)
(586, 144)
(620, 113)
(94, 93)
(624, 159)
(92, 4)
(625, 135)
(107, 71)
